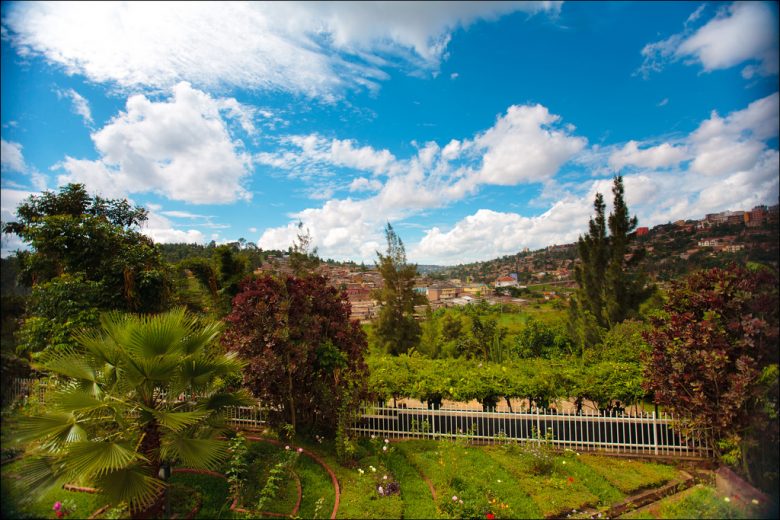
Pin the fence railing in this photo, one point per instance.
(615, 432)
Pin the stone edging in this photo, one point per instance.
(319, 461)
(647, 497)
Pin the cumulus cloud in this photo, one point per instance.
(660, 156)
(11, 157)
(312, 48)
(163, 231)
(524, 146)
(740, 32)
(180, 148)
(731, 168)
(432, 178)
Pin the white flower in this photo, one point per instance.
(287, 447)
(454, 498)
(384, 448)
(384, 477)
(373, 469)
(387, 441)
(726, 499)
(360, 470)
(373, 436)
(499, 481)
(381, 491)
(754, 501)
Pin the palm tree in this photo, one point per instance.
(114, 419)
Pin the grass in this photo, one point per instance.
(470, 475)
(214, 492)
(17, 502)
(629, 476)
(508, 481)
(698, 502)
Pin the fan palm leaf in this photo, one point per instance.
(195, 453)
(132, 484)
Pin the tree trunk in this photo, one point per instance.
(150, 447)
(509, 404)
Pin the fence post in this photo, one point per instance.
(655, 435)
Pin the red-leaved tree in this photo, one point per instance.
(304, 356)
(714, 363)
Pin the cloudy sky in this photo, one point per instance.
(476, 129)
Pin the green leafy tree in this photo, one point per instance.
(538, 339)
(304, 356)
(396, 329)
(115, 418)
(714, 363)
(90, 241)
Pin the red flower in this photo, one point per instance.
(60, 514)
(570, 479)
(490, 516)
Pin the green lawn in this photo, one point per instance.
(698, 502)
(508, 481)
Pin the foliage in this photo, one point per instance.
(93, 241)
(540, 340)
(303, 257)
(396, 329)
(610, 285)
(115, 420)
(623, 342)
(275, 478)
(714, 360)
(237, 464)
(301, 349)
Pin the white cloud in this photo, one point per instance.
(660, 156)
(433, 178)
(311, 153)
(663, 102)
(740, 32)
(363, 184)
(163, 231)
(313, 48)
(80, 104)
(9, 201)
(523, 146)
(11, 157)
(180, 148)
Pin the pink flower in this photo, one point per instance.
(300, 450)
(287, 447)
(57, 506)
(454, 498)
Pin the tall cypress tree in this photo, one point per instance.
(610, 285)
(396, 329)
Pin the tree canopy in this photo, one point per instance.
(304, 356)
(87, 252)
(714, 363)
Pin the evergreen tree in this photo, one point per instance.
(610, 285)
(396, 329)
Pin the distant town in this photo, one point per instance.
(548, 274)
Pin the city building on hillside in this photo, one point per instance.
(505, 281)
(442, 291)
(642, 231)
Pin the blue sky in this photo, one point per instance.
(476, 129)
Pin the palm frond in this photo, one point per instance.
(54, 428)
(76, 400)
(132, 484)
(220, 400)
(177, 421)
(69, 363)
(194, 453)
(159, 334)
(39, 473)
(201, 337)
(99, 458)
